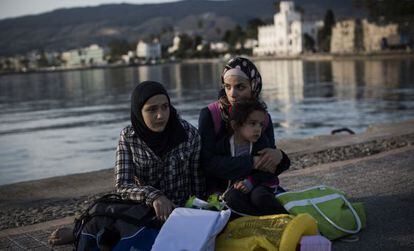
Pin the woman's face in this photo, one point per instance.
(237, 88)
(156, 112)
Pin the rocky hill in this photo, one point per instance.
(71, 28)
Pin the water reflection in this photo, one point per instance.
(382, 73)
(344, 77)
(317, 97)
(284, 78)
(294, 80)
(66, 122)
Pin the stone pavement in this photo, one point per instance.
(36, 240)
(33, 237)
(384, 182)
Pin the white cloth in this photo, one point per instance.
(235, 72)
(314, 243)
(191, 229)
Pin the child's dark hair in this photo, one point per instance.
(241, 110)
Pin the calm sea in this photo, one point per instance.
(60, 123)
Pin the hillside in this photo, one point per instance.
(70, 28)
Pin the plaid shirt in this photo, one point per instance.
(143, 176)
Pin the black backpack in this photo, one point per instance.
(116, 224)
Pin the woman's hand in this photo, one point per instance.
(268, 160)
(163, 207)
(239, 185)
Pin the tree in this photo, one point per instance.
(197, 40)
(276, 6)
(325, 33)
(308, 43)
(8, 64)
(117, 48)
(227, 35)
(24, 61)
(390, 10)
(185, 47)
(42, 60)
(234, 36)
(300, 9)
(252, 27)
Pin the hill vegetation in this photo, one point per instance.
(64, 29)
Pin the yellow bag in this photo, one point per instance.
(272, 232)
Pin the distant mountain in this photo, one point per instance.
(64, 29)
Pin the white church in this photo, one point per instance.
(285, 36)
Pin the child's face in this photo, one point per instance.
(252, 128)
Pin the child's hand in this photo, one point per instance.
(239, 185)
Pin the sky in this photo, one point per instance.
(15, 8)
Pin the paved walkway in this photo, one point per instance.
(384, 182)
(33, 237)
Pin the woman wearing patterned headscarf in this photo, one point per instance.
(240, 80)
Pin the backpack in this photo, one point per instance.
(116, 224)
(214, 109)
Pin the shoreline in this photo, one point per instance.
(339, 57)
(304, 57)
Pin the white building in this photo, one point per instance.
(149, 50)
(176, 44)
(92, 55)
(204, 44)
(219, 47)
(285, 36)
(129, 57)
(248, 44)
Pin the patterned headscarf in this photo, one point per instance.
(250, 70)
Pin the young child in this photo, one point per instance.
(253, 194)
